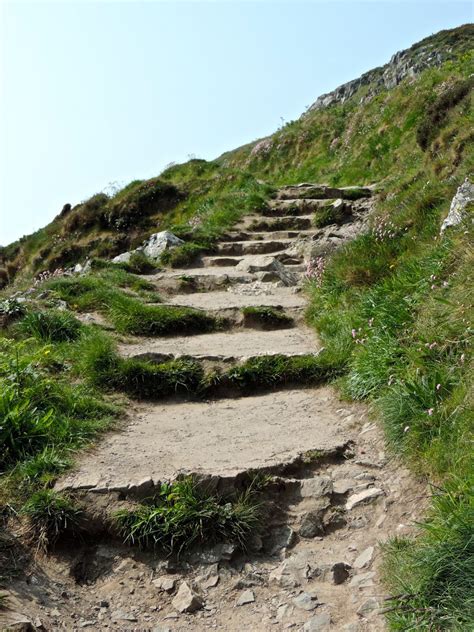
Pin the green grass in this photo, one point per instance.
(435, 579)
(51, 326)
(128, 313)
(183, 515)
(267, 317)
(50, 516)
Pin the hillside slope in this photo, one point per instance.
(392, 306)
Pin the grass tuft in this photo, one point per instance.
(51, 515)
(266, 317)
(51, 326)
(183, 514)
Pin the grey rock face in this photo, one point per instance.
(457, 211)
(404, 64)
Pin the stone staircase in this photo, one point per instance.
(326, 458)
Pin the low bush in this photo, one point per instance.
(51, 326)
(139, 263)
(51, 515)
(183, 514)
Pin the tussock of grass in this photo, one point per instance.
(266, 317)
(183, 514)
(51, 326)
(51, 515)
(133, 317)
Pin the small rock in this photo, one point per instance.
(246, 597)
(280, 538)
(104, 603)
(316, 487)
(363, 497)
(368, 606)
(340, 572)
(55, 612)
(319, 623)
(283, 577)
(364, 580)
(160, 628)
(186, 599)
(120, 615)
(305, 601)
(343, 486)
(166, 584)
(88, 624)
(364, 558)
(211, 582)
(312, 524)
(282, 612)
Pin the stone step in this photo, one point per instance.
(281, 208)
(283, 256)
(280, 223)
(287, 235)
(229, 346)
(219, 440)
(264, 295)
(255, 247)
(318, 191)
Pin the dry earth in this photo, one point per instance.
(335, 495)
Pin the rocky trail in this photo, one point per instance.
(335, 494)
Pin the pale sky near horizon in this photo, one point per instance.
(101, 92)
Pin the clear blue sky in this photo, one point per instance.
(93, 93)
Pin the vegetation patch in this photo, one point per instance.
(50, 516)
(51, 326)
(183, 515)
(437, 112)
(275, 370)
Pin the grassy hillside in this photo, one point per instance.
(394, 307)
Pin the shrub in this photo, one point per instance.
(183, 514)
(139, 263)
(436, 113)
(4, 278)
(51, 515)
(51, 326)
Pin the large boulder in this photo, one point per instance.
(157, 243)
(153, 247)
(457, 211)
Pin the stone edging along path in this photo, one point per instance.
(335, 494)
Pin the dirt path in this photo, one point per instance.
(334, 498)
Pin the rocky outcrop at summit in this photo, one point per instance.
(404, 64)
